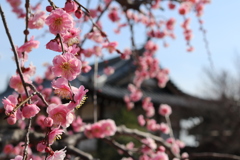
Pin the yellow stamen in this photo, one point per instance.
(81, 102)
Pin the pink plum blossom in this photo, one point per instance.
(111, 47)
(55, 45)
(79, 97)
(17, 158)
(141, 120)
(108, 127)
(150, 111)
(88, 52)
(57, 155)
(16, 4)
(30, 110)
(12, 119)
(71, 37)
(96, 130)
(8, 149)
(59, 21)
(37, 20)
(101, 129)
(151, 46)
(88, 131)
(55, 100)
(61, 88)
(97, 51)
(22, 56)
(160, 156)
(67, 66)
(126, 53)
(29, 45)
(52, 136)
(152, 125)
(164, 128)
(162, 77)
(85, 67)
(16, 83)
(60, 114)
(108, 70)
(164, 110)
(170, 24)
(95, 35)
(136, 95)
(29, 71)
(149, 142)
(77, 124)
(113, 15)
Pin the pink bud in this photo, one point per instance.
(12, 119)
(49, 8)
(70, 6)
(8, 149)
(48, 122)
(78, 13)
(164, 110)
(171, 5)
(141, 120)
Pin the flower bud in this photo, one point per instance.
(48, 122)
(79, 13)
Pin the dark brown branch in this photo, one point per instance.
(14, 50)
(82, 6)
(79, 153)
(37, 93)
(122, 130)
(26, 32)
(61, 42)
(214, 155)
(21, 76)
(52, 4)
(119, 147)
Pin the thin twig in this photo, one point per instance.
(37, 93)
(94, 24)
(26, 32)
(122, 130)
(206, 43)
(95, 89)
(119, 147)
(21, 77)
(61, 42)
(23, 102)
(52, 4)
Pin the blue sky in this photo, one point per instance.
(223, 34)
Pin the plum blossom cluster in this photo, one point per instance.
(101, 129)
(55, 118)
(148, 67)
